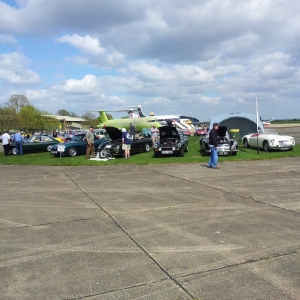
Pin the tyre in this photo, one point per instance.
(72, 151)
(147, 148)
(245, 143)
(181, 154)
(156, 154)
(187, 149)
(14, 151)
(103, 153)
(266, 146)
(49, 147)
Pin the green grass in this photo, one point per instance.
(192, 156)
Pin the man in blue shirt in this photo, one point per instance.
(126, 142)
(18, 139)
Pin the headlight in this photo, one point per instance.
(118, 147)
(159, 149)
(272, 141)
(173, 148)
(179, 145)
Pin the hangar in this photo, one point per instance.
(246, 123)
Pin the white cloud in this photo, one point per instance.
(94, 54)
(86, 44)
(14, 70)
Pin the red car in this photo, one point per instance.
(200, 132)
(186, 131)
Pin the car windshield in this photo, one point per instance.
(78, 138)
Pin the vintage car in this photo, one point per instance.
(36, 143)
(77, 146)
(186, 131)
(113, 147)
(200, 132)
(171, 142)
(268, 141)
(226, 145)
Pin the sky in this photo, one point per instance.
(199, 58)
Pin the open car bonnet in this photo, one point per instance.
(168, 132)
(222, 130)
(114, 133)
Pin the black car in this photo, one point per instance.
(171, 142)
(114, 146)
(226, 145)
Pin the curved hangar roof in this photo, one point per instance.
(246, 123)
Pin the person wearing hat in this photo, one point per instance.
(126, 143)
(90, 139)
(213, 146)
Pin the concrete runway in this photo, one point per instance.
(151, 232)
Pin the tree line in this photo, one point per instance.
(19, 114)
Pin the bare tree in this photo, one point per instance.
(17, 102)
(63, 112)
(90, 119)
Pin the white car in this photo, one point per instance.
(268, 141)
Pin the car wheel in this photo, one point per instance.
(49, 147)
(72, 151)
(103, 153)
(156, 154)
(147, 148)
(181, 152)
(266, 146)
(245, 143)
(14, 151)
(187, 149)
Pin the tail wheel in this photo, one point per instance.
(14, 151)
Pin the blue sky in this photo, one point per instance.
(197, 58)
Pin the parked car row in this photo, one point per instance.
(172, 141)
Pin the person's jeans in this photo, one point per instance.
(213, 159)
(19, 148)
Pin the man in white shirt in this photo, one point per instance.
(5, 137)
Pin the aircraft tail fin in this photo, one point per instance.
(103, 116)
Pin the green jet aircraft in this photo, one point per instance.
(139, 123)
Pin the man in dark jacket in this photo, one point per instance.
(213, 146)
